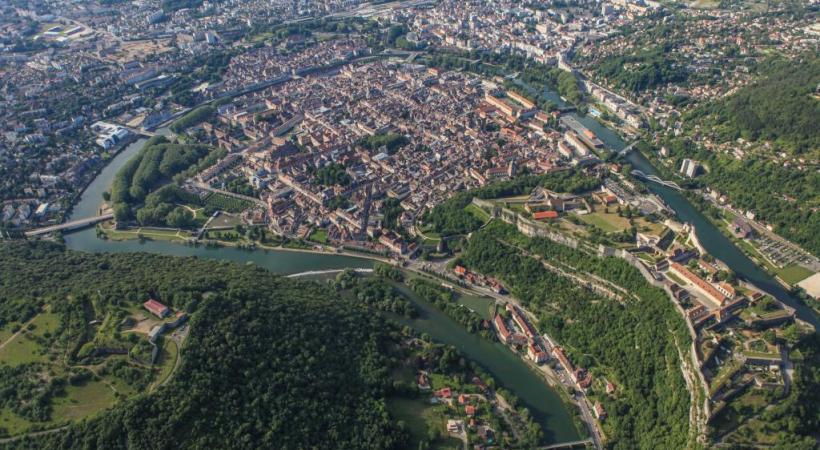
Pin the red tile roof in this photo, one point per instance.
(545, 215)
(155, 307)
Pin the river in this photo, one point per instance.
(501, 363)
(712, 239)
(506, 367)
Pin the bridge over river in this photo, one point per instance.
(67, 226)
(656, 179)
(568, 445)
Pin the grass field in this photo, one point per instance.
(477, 212)
(794, 273)
(83, 401)
(224, 220)
(12, 423)
(167, 360)
(46, 322)
(318, 236)
(608, 222)
(5, 332)
(481, 305)
(21, 350)
(412, 413)
(148, 233)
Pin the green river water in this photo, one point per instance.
(499, 361)
(507, 368)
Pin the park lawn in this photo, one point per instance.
(147, 233)
(225, 235)
(483, 306)
(82, 401)
(121, 385)
(655, 229)
(21, 350)
(793, 273)
(318, 235)
(224, 220)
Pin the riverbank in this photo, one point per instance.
(787, 275)
(546, 403)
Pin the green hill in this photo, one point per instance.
(269, 362)
(782, 107)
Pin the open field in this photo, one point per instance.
(481, 305)
(148, 233)
(318, 236)
(167, 360)
(477, 212)
(45, 322)
(412, 413)
(224, 220)
(12, 423)
(83, 401)
(793, 273)
(21, 350)
(608, 222)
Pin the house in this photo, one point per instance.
(582, 377)
(463, 399)
(535, 353)
(545, 215)
(600, 413)
(460, 270)
(741, 229)
(454, 426)
(610, 388)
(501, 329)
(156, 308)
(470, 410)
(444, 393)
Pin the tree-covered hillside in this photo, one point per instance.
(269, 362)
(635, 343)
(782, 107)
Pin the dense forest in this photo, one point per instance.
(781, 107)
(641, 71)
(269, 362)
(195, 117)
(450, 218)
(632, 343)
